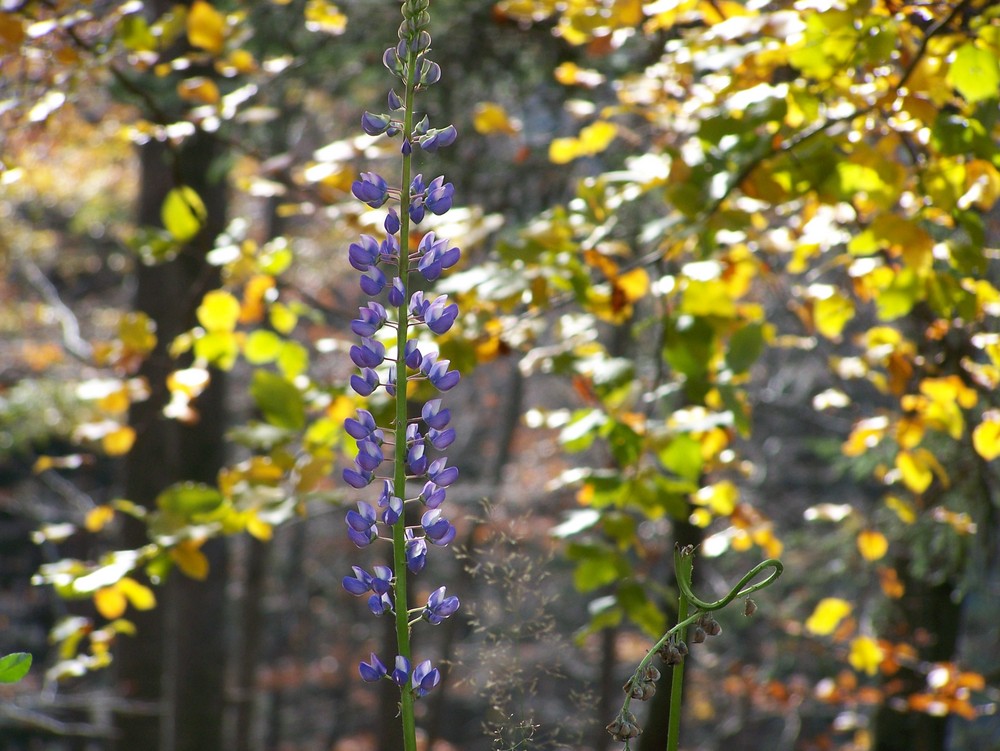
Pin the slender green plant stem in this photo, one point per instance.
(677, 680)
(399, 457)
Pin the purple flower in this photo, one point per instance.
(401, 673)
(439, 375)
(416, 552)
(391, 222)
(393, 511)
(388, 249)
(439, 530)
(442, 475)
(361, 525)
(364, 254)
(395, 103)
(369, 455)
(362, 582)
(358, 584)
(439, 193)
(358, 478)
(373, 670)
(370, 354)
(416, 460)
(397, 292)
(391, 60)
(432, 495)
(371, 189)
(441, 439)
(430, 72)
(412, 354)
(434, 416)
(363, 427)
(375, 125)
(439, 138)
(380, 604)
(440, 315)
(370, 319)
(439, 606)
(372, 281)
(365, 383)
(435, 256)
(425, 678)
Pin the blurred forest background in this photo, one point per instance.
(730, 278)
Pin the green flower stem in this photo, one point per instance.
(683, 569)
(677, 681)
(399, 458)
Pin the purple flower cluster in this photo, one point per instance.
(405, 461)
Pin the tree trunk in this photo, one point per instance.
(175, 664)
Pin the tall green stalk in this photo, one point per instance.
(399, 457)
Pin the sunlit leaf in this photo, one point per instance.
(827, 615)
(986, 436)
(490, 117)
(183, 213)
(865, 655)
(325, 17)
(206, 27)
(189, 559)
(872, 544)
(118, 442)
(14, 667)
(975, 73)
(98, 518)
(219, 311)
(138, 595)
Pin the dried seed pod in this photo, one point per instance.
(650, 674)
(624, 727)
(711, 626)
(749, 607)
(698, 635)
(682, 647)
(670, 654)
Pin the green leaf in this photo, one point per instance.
(279, 400)
(189, 498)
(745, 347)
(293, 359)
(974, 73)
(14, 667)
(262, 347)
(596, 566)
(641, 610)
(682, 456)
(183, 213)
(579, 434)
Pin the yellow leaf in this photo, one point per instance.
(110, 602)
(903, 509)
(118, 442)
(254, 295)
(596, 137)
(986, 436)
(326, 17)
(829, 612)
(865, 655)
(831, 313)
(137, 332)
(199, 89)
(206, 27)
(257, 527)
(219, 311)
(190, 559)
(115, 402)
(139, 595)
(183, 213)
(490, 117)
(282, 318)
(917, 476)
(564, 150)
(720, 498)
(634, 284)
(98, 517)
(872, 544)
(866, 435)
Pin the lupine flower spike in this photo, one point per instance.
(419, 474)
